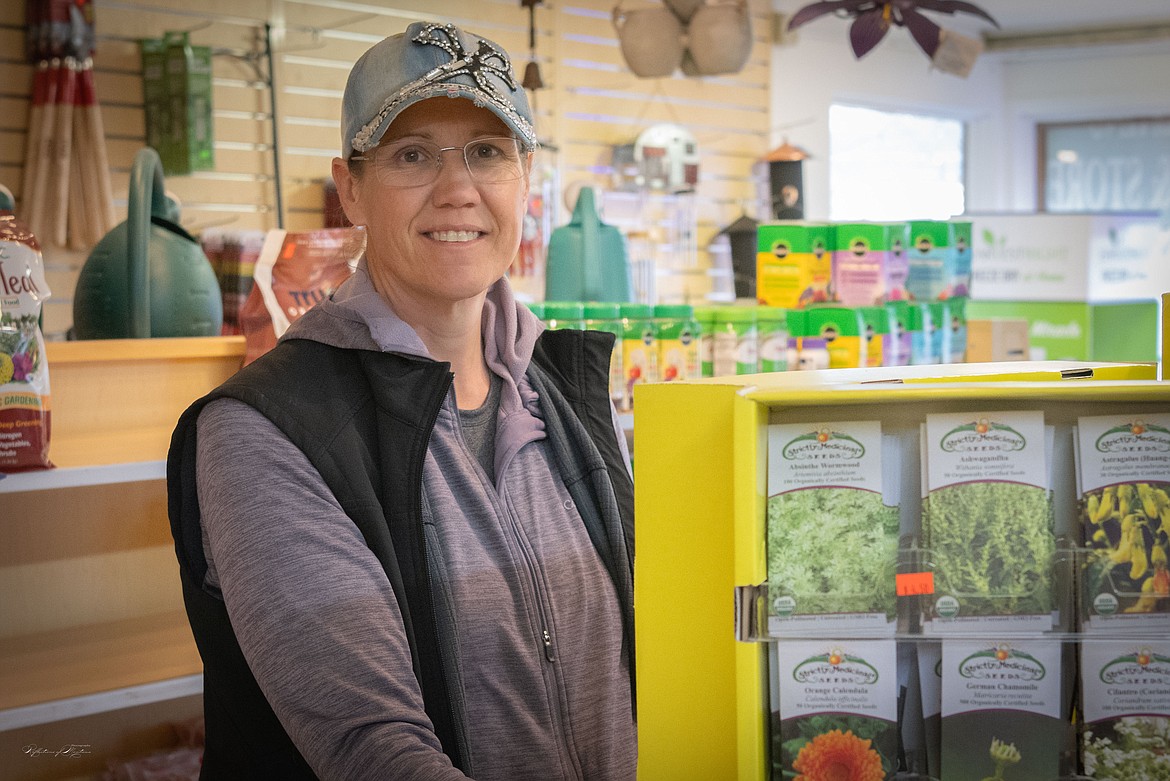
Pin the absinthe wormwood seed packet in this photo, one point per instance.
(832, 531)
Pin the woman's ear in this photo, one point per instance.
(348, 192)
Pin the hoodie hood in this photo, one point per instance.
(357, 317)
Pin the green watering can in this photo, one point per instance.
(147, 277)
(587, 259)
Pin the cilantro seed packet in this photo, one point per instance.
(1125, 697)
(832, 535)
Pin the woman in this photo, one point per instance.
(405, 533)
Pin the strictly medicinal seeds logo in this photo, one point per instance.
(982, 436)
(1143, 668)
(837, 667)
(1002, 663)
(823, 445)
(1134, 436)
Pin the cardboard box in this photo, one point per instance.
(869, 263)
(793, 265)
(997, 339)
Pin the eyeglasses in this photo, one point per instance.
(417, 163)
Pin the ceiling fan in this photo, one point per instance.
(872, 19)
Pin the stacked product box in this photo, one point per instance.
(869, 263)
(939, 259)
(793, 264)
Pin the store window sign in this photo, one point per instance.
(1106, 166)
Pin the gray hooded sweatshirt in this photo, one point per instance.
(527, 615)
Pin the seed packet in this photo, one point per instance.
(1125, 698)
(1124, 479)
(1002, 716)
(24, 369)
(837, 711)
(987, 521)
(832, 528)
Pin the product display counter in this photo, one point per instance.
(92, 617)
(701, 468)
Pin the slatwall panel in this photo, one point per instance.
(591, 103)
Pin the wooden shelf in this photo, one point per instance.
(81, 476)
(41, 669)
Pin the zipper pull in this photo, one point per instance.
(548, 646)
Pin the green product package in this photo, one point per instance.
(898, 345)
(793, 264)
(678, 345)
(772, 328)
(737, 347)
(877, 334)
(607, 318)
(928, 254)
(639, 350)
(188, 74)
(564, 314)
(537, 308)
(844, 332)
(940, 333)
(155, 96)
(705, 317)
(956, 328)
(921, 325)
(959, 262)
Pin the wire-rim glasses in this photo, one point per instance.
(414, 163)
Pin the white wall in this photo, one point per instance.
(1002, 100)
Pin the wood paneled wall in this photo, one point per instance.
(592, 102)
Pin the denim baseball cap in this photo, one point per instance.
(429, 60)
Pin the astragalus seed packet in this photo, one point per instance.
(1124, 485)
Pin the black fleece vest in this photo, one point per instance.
(364, 420)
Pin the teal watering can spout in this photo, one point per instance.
(147, 277)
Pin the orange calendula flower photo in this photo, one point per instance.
(838, 756)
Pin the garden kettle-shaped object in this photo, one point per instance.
(147, 277)
(587, 259)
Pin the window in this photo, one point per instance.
(887, 166)
(1105, 166)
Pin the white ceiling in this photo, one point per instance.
(1030, 16)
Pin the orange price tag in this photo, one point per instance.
(909, 584)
